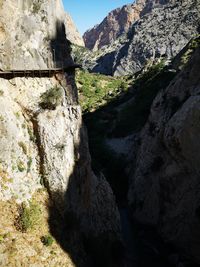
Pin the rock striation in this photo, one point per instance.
(118, 22)
(164, 190)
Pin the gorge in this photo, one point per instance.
(99, 166)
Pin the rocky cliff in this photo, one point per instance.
(164, 190)
(173, 26)
(117, 22)
(26, 45)
(43, 143)
(72, 32)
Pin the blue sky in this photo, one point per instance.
(87, 13)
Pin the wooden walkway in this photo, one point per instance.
(40, 73)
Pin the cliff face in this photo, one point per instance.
(164, 188)
(72, 32)
(173, 26)
(28, 31)
(43, 143)
(117, 22)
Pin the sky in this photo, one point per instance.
(87, 13)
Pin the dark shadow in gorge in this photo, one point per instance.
(142, 243)
(109, 122)
(66, 224)
(67, 216)
(61, 47)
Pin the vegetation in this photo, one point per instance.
(52, 98)
(47, 240)
(36, 6)
(117, 107)
(79, 52)
(30, 216)
(96, 90)
(133, 116)
(188, 52)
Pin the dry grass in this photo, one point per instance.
(26, 248)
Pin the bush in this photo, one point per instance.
(47, 240)
(52, 98)
(30, 216)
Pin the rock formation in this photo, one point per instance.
(72, 32)
(23, 41)
(173, 26)
(164, 190)
(42, 139)
(117, 22)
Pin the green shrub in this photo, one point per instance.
(97, 90)
(47, 240)
(30, 216)
(52, 98)
(36, 7)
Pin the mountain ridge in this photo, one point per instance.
(114, 24)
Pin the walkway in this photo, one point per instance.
(9, 74)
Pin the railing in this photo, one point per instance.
(48, 72)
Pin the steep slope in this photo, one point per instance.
(164, 28)
(72, 32)
(43, 143)
(164, 190)
(116, 23)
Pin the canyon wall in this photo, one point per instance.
(164, 191)
(161, 31)
(43, 142)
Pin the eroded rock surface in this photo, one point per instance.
(72, 32)
(163, 29)
(43, 142)
(165, 189)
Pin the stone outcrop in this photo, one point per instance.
(164, 28)
(42, 139)
(118, 22)
(164, 190)
(32, 36)
(72, 32)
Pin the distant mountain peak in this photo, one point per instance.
(117, 22)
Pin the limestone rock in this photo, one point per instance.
(32, 35)
(117, 22)
(72, 33)
(165, 189)
(42, 139)
(163, 29)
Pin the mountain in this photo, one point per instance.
(173, 24)
(117, 22)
